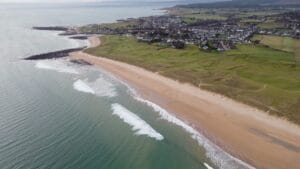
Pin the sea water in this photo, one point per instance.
(58, 114)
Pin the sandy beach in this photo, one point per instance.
(251, 135)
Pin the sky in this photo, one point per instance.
(63, 1)
(41, 1)
(56, 1)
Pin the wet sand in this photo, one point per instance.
(251, 135)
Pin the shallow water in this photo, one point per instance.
(57, 114)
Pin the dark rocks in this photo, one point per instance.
(67, 33)
(56, 54)
(79, 37)
(52, 28)
(81, 62)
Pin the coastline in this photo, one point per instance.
(253, 136)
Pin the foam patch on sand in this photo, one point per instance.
(79, 85)
(100, 87)
(218, 156)
(58, 65)
(138, 125)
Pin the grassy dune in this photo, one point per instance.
(256, 75)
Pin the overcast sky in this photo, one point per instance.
(56, 1)
(71, 0)
(48, 1)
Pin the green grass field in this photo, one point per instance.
(256, 75)
(281, 43)
(203, 16)
(271, 25)
(192, 15)
(278, 42)
(114, 25)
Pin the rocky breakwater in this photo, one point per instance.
(81, 37)
(66, 31)
(55, 54)
(51, 28)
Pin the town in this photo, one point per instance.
(208, 34)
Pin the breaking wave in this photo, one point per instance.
(207, 166)
(58, 65)
(138, 125)
(100, 87)
(103, 87)
(218, 156)
(82, 87)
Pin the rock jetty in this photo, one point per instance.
(51, 28)
(55, 54)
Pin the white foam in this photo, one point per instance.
(100, 87)
(83, 87)
(218, 156)
(207, 166)
(138, 125)
(58, 65)
(103, 87)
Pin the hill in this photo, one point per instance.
(242, 4)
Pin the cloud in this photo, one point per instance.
(56, 1)
(47, 1)
(76, 1)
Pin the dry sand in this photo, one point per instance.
(253, 136)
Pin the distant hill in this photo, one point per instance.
(278, 2)
(289, 1)
(243, 3)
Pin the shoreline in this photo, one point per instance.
(249, 134)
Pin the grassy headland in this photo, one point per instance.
(256, 75)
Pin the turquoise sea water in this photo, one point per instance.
(56, 114)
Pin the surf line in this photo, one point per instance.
(138, 125)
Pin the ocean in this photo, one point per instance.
(61, 115)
